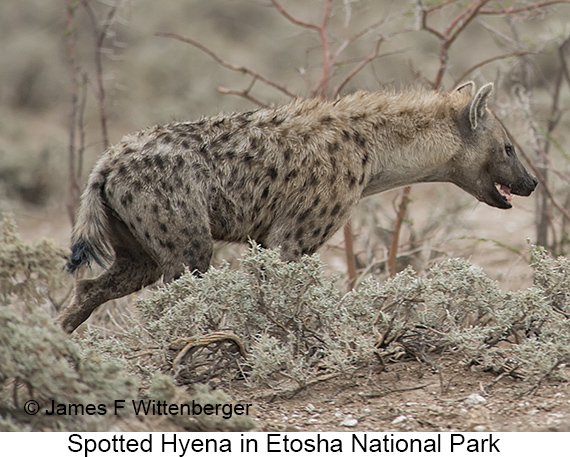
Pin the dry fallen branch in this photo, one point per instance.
(213, 338)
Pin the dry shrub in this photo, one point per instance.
(164, 388)
(29, 273)
(290, 319)
(457, 308)
(38, 361)
(284, 325)
(269, 324)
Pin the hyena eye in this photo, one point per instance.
(510, 151)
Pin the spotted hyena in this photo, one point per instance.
(287, 177)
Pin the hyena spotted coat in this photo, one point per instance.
(287, 177)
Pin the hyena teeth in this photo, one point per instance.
(505, 191)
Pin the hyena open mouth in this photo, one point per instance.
(504, 191)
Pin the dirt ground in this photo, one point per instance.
(410, 396)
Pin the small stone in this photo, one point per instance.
(349, 421)
(399, 420)
(474, 399)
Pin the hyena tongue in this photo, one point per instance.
(505, 191)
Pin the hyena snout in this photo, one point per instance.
(524, 187)
(522, 184)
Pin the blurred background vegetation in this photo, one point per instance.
(52, 48)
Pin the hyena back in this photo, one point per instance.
(287, 177)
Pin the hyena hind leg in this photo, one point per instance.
(127, 275)
(195, 254)
(132, 270)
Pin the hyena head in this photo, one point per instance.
(488, 167)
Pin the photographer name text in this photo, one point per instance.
(147, 408)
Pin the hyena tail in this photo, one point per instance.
(90, 240)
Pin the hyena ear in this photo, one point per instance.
(478, 106)
(466, 87)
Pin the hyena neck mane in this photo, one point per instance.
(419, 137)
(404, 138)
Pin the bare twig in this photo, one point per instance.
(308, 384)
(478, 65)
(522, 9)
(357, 36)
(363, 63)
(246, 93)
(100, 33)
(350, 257)
(228, 65)
(321, 87)
(73, 188)
(393, 252)
(391, 391)
(452, 33)
(432, 9)
(536, 386)
(294, 20)
(540, 178)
